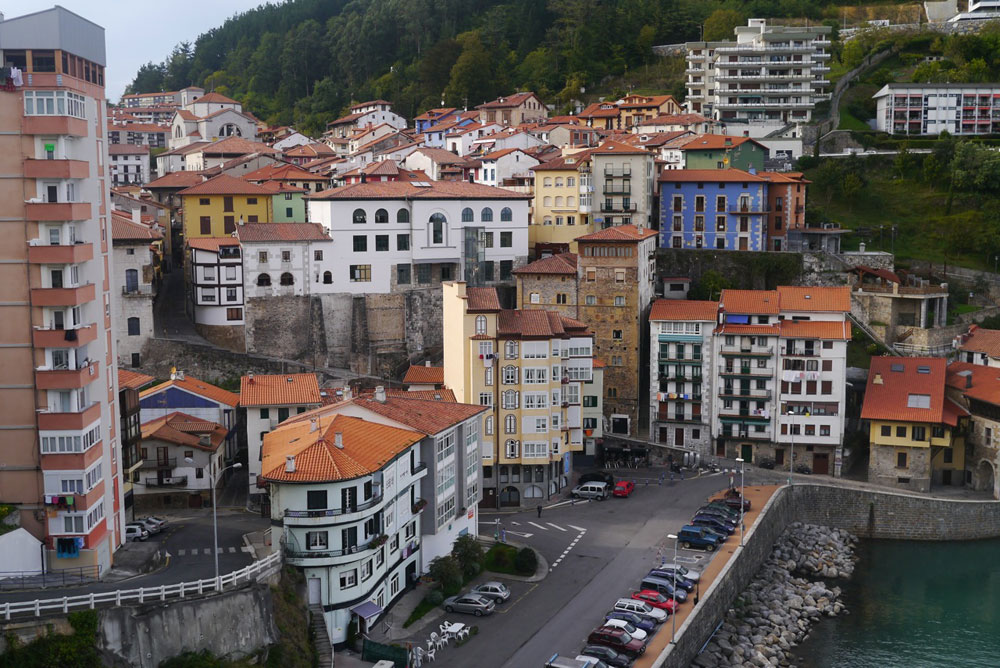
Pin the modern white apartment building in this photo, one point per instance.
(930, 109)
(769, 77)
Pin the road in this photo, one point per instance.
(597, 552)
(188, 540)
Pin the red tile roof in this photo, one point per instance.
(752, 330)
(216, 98)
(565, 162)
(195, 386)
(600, 110)
(291, 389)
(444, 394)
(262, 232)
(535, 323)
(980, 340)
(423, 375)
(756, 302)
(224, 184)
(427, 416)
(678, 119)
(176, 180)
(367, 447)
(432, 114)
(562, 263)
(890, 393)
(407, 189)
(729, 175)
(712, 142)
(212, 244)
(133, 379)
(683, 309)
(480, 300)
(816, 329)
(812, 298)
(282, 171)
(618, 233)
(975, 381)
(128, 149)
(123, 229)
(510, 101)
(238, 146)
(183, 429)
(611, 147)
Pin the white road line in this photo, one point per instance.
(232, 550)
(577, 528)
(180, 553)
(517, 524)
(539, 526)
(555, 525)
(521, 534)
(208, 550)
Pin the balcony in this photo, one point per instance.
(748, 393)
(334, 512)
(664, 416)
(418, 467)
(742, 415)
(748, 435)
(63, 296)
(54, 125)
(758, 351)
(802, 352)
(56, 169)
(64, 338)
(160, 463)
(61, 254)
(174, 481)
(67, 379)
(611, 207)
(137, 291)
(69, 421)
(618, 189)
(294, 552)
(620, 172)
(57, 211)
(752, 371)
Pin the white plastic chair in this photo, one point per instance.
(430, 644)
(441, 642)
(464, 633)
(430, 654)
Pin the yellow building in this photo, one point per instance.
(916, 433)
(214, 208)
(532, 368)
(564, 198)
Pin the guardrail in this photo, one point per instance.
(181, 590)
(58, 578)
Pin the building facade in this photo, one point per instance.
(214, 277)
(930, 109)
(60, 395)
(134, 285)
(182, 457)
(563, 204)
(624, 185)
(215, 207)
(725, 209)
(977, 389)
(129, 164)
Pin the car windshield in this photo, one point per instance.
(626, 638)
(629, 627)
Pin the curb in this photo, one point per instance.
(541, 572)
(249, 545)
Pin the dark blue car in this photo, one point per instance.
(714, 523)
(683, 583)
(643, 623)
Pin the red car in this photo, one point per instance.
(656, 599)
(624, 488)
(732, 499)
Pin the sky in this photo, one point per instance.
(139, 31)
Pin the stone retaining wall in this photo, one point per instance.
(869, 514)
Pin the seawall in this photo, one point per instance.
(869, 514)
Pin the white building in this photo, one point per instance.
(269, 400)
(291, 140)
(286, 259)
(462, 140)
(182, 457)
(216, 282)
(769, 77)
(499, 166)
(364, 114)
(396, 235)
(133, 289)
(210, 117)
(129, 164)
(980, 346)
(930, 109)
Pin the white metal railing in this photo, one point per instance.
(180, 590)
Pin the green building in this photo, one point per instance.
(288, 202)
(723, 152)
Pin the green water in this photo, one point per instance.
(914, 604)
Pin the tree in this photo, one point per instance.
(852, 187)
(471, 80)
(446, 570)
(720, 25)
(526, 562)
(853, 53)
(710, 286)
(469, 554)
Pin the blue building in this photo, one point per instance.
(432, 117)
(725, 209)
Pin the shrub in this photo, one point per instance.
(501, 557)
(871, 349)
(434, 597)
(526, 562)
(471, 570)
(469, 554)
(447, 571)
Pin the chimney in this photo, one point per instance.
(313, 424)
(338, 439)
(290, 464)
(180, 375)
(137, 216)
(878, 379)
(205, 439)
(968, 381)
(250, 377)
(427, 363)
(380, 394)
(364, 177)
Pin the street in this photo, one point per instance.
(597, 552)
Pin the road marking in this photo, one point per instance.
(555, 525)
(580, 529)
(538, 526)
(521, 534)
(208, 550)
(232, 550)
(180, 553)
(517, 524)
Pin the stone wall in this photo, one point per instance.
(749, 270)
(869, 514)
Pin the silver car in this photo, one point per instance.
(149, 525)
(495, 591)
(472, 604)
(682, 571)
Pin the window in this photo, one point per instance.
(286, 279)
(54, 103)
(467, 215)
(510, 350)
(437, 223)
(506, 239)
(918, 434)
(381, 242)
(402, 242)
(360, 217)
(403, 274)
(901, 460)
(886, 430)
(612, 392)
(486, 215)
(315, 499)
(619, 301)
(360, 243)
(616, 334)
(510, 375)
(488, 425)
(366, 570)
(510, 400)
(510, 424)
(361, 273)
(264, 280)
(506, 216)
(561, 298)
(403, 216)
(536, 375)
(534, 298)
(900, 432)
(480, 324)
(133, 326)
(488, 379)
(423, 273)
(510, 450)
(205, 223)
(591, 300)
(381, 216)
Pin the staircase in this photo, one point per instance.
(324, 651)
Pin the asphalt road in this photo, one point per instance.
(597, 552)
(188, 541)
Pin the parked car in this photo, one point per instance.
(624, 488)
(682, 570)
(607, 655)
(698, 537)
(641, 608)
(593, 661)
(721, 509)
(655, 599)
(638, 621)
(665, 587)
(711, 511)
(803, 468)
(732, 499)
(618, 640)
(135, 532)
(556, 661)
(591, 490)
(496, 591)
(159, 520)
(765, 463)
(149, 525)
(630, 628)
(714, 523)
(472, 604)
(682, 582)
(597, 476)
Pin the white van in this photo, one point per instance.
(591, 490)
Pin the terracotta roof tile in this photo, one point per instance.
(611, 147)
(753, 302)
(238, 146)
(615, 233)
(262, 232)
(367, 447)
(564, 162)
(444, 394)
(893, 384)
(427, 416)
(423, 375)
(212, 244)
(980, 340)
(683, 309)
(223, 184)
(975, 381)
(183, 429)
(812, 298)
(708, 176)
(482, 299)
(123, 229)
(816, 329)
(752, 330)
(535, 323)
(282, 171)
(678, 119)
(216, 98)
(561, 263)
(401, 189)
(128, 149)
(195, 386)
(133, 379)
(176, 180)
(713, 142)
(292, 389)
(509, 101)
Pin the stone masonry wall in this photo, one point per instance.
(869, 514)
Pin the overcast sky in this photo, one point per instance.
(140, 31)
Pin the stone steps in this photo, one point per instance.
(324, 651)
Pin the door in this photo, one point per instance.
(743, 243)
(945, 477)
(314, 591)
(161, 456)
(663, 435)
(131, 280)
(779, 458)
(746, 452)
(679, 436)
(720, 448)
(619, 425)
(489, 498)
(51, 193)
(821, 464)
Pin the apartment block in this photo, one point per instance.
(768, 77)
(214, 278)
(133, 284)
(930, 109)
(61, 448)
(563, 204)
(624, 182)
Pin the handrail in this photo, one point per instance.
(333, 512)
(143, 594)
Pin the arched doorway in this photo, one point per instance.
(509, 496)
(984, 478)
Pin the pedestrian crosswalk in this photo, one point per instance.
(207, 551)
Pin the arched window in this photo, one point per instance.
(264, 280)
(403, 216)
(547, 181)
(488, 425)
(133, 326)
(467, 215)
(510, 375)
(510, 350)
(511, 448)
(509, 496)
(506, 215)
(381, 216)
(559, 202)
(559, 182)
(510, 424)
(533, 492)
(571, 201)
(287, 279)
(546, 201)
(547, 220)
(437, 221)
(230, 130)
(327, 277)
(179, 132)
(510, 400)
(360, 217)
(486, 215)
(480, 324)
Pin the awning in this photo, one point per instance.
(367, 610)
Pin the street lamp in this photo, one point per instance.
(791, 458)
(673, 614)
(739, 460)
(215, 516)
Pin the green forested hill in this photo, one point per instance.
(304, 61)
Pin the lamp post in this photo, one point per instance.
(791, 457)
(673, 614)
(739, 460)
(215, 516)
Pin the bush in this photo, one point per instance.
(447, 572)
(469, 554)
(434, 597)
(472, 570)
(526, 562)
